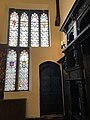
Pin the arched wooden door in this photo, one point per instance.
(50, 89)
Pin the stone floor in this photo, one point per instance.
(48, 117)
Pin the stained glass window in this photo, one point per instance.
(27, 28)
(23, 71)
(24, 30)
(17, 73)
(13, 30)
(44, 30)
(34, 30)
(11, 71)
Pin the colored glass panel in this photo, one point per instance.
(24, 30)
(23, 71)
(44, 30)
(10, 71)
(18, 37)
(13, 30)
(34, 30)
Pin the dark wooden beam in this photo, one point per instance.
(57, 21)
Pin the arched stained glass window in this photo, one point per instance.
(24, 30)
(13, 30)
(11, 71)
(34, 30)
(27, 28)
(23, 71)
(44, 30)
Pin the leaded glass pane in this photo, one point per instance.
(23, 71)
(34, 30)
(24, 30)
(10, 71)
(44, 30)
(13, 30)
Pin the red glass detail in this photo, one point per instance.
(14, 22)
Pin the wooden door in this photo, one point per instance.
(50, 89)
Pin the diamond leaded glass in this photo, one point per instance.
(13, 30)
(24, 30)
(44, 30)
(34, 30)
(23, 71)
(11, 71)
(25, 26)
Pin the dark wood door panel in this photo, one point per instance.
(50, 89)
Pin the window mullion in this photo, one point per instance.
(17, 50)
(17, 69)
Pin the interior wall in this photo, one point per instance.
(65, 7)
(37, 55)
